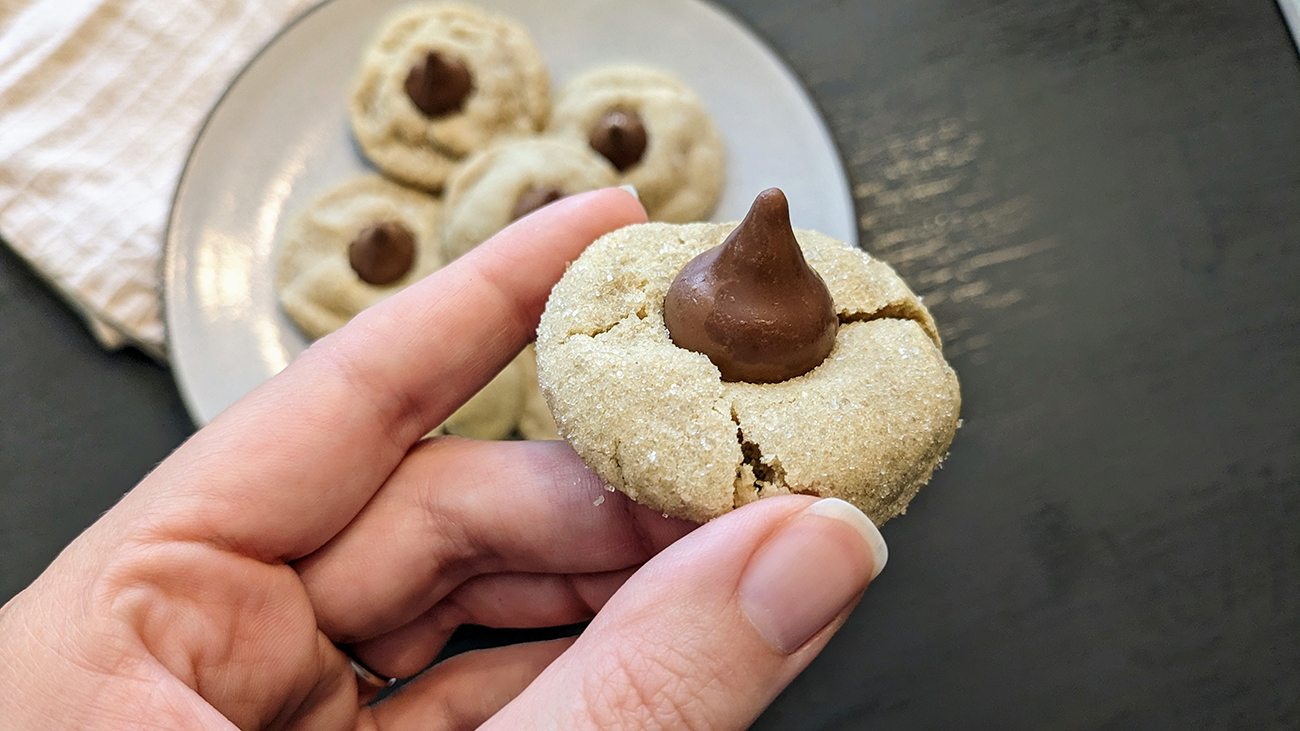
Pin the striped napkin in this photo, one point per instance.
(99, 103)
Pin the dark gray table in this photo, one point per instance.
(1101, 200)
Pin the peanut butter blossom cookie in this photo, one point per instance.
(352, 247)
(700, 367)
(493, 412)
(512, 402)
(366, 240)
(654, 130)
(536, 421)
(440, 82)
(512, 179)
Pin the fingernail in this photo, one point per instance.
(805, 575)
(834, 507)
(631, 189)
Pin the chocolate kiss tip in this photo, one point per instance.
(772, 202)
(752, 304)
(620, 136)
(382, 253)
(438, 85)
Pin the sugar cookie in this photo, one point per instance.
(658, 421)
(655, 130)
(440, 82)
(352, 247)
(510, 180)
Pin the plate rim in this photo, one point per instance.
(167, 263)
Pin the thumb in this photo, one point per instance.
(708, 632)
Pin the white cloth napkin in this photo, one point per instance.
(99, 103)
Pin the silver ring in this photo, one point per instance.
(365, 675)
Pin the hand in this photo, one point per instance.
(311, 515)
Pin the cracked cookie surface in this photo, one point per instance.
(868, 425)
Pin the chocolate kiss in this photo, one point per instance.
(534, 198)
(752, 304)
(620, 136)
(383, 253)
(438, 85)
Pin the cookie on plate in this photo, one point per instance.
(699, 367)
(510, 403)
(440, 82)
(352, 247)
(493, 412)
(654, 130)
(511, 179)
(535, 421)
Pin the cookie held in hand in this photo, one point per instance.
(651, 411)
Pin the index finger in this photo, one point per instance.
(285, 468)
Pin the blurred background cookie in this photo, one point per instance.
(365, 240)
(654, 130)
(493, 412)
(514, 178)
(535, 420)
(441, 81)
(352, 247)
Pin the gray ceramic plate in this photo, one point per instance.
(1291, 10)
(280, 136)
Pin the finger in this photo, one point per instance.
(706, 634)
(494, 600)
(458, 508)
(316, 441)
(466, 690)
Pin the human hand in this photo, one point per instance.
(311, 515)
